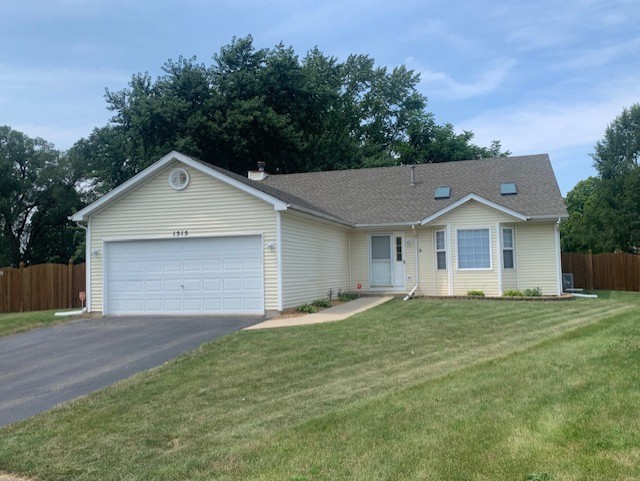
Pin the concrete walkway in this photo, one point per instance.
(336, 313)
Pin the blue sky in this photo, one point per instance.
(545, 76)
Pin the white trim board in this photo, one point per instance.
(478, 199)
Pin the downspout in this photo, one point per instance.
(558, 257)
(415, 288)
(87, 255)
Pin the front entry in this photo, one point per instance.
(387, 263)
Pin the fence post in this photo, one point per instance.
(590, 270)
(21, 270)
(70, 284)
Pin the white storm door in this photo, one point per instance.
(382, 263)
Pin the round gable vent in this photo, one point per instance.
(178, 179)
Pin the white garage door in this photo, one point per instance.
(215, 275)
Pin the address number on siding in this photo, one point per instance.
(180, 233)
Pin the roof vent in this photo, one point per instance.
(413, 176)
(442, 192)
(508, 188)
(179, 179)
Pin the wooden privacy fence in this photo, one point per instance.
(41, 287)
(619, 271)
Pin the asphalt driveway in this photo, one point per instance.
(45, 367)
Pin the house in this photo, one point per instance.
(187, 237)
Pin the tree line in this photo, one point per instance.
(296, 114)
(604, 210)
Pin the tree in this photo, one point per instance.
(604, 212)
(37, 194)
(250, 105)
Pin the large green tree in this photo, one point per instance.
(37, 194)
(604, 211)
(295, 114)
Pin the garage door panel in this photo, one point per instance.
(212, 304)
(193, 265)
(233, 304)
(173, 265)
(151, 305)
(251, 304)
(232, 264)
(192, 285)
(212, 285)
(153, 265)
(197, 276)
(253, 284)
(232, 284)
(153, 286)
(172, 284)
(212, 264)
(172, 304)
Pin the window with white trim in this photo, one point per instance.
(474, 249)
(508, 257)
(441, 251)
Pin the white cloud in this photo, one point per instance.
(546, 126)
(444, 86)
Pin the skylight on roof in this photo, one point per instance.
(508, 188)
(443, 192)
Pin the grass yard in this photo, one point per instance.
(444, 390)
(14, 322)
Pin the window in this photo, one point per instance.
(441, 252)
(399, 249)
(474, 250)
(507, 248)
(508, 188)
(442, 192)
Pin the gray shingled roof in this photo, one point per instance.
(384, 195)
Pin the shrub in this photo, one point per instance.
(308, 308)
(322, 303)
(475, 293)
(536, 292)
(347, 296)
(512, 293)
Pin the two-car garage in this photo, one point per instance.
(184, 275)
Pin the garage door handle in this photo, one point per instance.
(181, 286)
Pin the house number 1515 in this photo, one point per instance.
(180, 233)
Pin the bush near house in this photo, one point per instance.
(475, 293)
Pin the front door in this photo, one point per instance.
(387, 261)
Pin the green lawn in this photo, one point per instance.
(452, 390)
(14, 322)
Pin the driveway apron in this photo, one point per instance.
(42, 368)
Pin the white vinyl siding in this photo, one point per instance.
(536, 257)
(474, 215)
(315, 258)
(207, 207)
